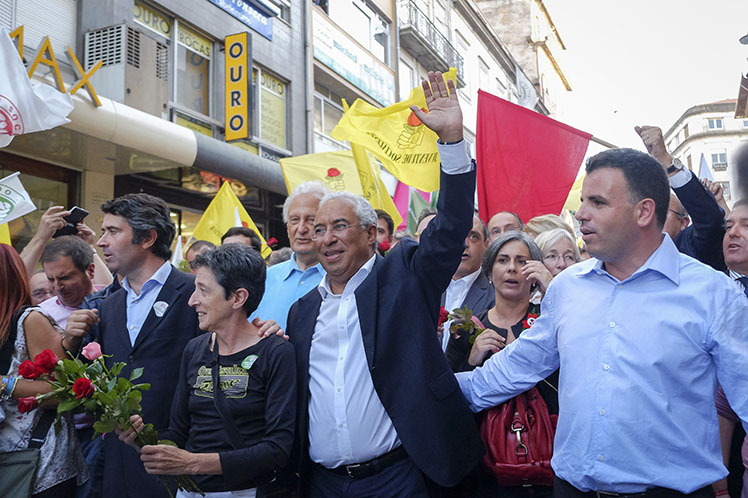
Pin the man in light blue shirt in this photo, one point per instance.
(641, 334)
(286, 282)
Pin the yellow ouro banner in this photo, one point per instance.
(238, 66)
(406, 147)
(353, 171)
(221, 215)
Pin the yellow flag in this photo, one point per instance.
(221, 215)
(371, 183)
(353, 171)
(336, 169)
(406, 147)
(573, 202)
(4, 234)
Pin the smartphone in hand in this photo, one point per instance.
(76, 216)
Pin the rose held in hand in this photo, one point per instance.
(27, 404)
(46, 361)
(83, 388)
(29, 370)
(91, 351)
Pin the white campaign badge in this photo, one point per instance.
(159, 307)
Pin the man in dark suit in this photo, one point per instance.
(469, 285)
(146, 324)
(702, 239)
(379, 412)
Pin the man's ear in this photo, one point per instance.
(239, 297)
(149, 240)
(645, 212)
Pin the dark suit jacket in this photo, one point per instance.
(702, 239)
(480, 296)
(158, 349)
(398, 307)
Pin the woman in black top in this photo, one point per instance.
(514, 265)
(257, 379)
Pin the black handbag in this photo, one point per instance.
(268, 486)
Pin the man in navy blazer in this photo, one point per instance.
(146, 324)
(379, 411)
(702, 239)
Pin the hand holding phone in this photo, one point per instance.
(76, 216)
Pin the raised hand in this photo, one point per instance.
(487, 341)
(444, 116)
(655, 143)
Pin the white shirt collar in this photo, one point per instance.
(352, 284)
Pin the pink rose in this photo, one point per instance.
(92, 351)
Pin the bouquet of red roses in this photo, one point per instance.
(97, 390)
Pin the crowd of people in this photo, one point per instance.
(338, 371)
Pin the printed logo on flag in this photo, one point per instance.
(10, 117)
(8, 200)
(335, 180)
(412, 134)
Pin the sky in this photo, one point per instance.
(634, 62)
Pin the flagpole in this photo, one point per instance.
(603, 143)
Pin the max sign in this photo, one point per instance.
(46, 56)
(238, 84)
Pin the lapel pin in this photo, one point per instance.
(159, 307)
(249, 361)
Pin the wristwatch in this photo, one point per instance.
(675, 166)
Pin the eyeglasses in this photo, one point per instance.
(553, 258)
(676, 213)
(336, 229)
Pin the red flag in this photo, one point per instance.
(527, 162)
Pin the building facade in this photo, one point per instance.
(711, 131)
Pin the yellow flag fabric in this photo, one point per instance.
(4, 234)
(371, 183)
(353, 171)
(406, 147)
(335, 169)
(219, 217)
(573, 202)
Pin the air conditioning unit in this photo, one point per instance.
(135, 69)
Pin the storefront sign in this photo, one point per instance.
(247, 14)
(334, 49)
(194, 41)
(237, 94)
(272, 110)
(46, 56)
(152, 20)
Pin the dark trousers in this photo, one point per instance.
(562, 489)
(400, 480)
(65, 489)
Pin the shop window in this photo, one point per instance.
(47, 186)
(271, 108)
(193, 70)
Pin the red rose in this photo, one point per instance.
(333, 172)
(272, 241)
(83, 388)
(443, 315)
(27, 404)
(46, 361)
(384, 246)
(29, 370)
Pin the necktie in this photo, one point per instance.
(744, 281)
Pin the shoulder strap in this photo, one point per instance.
(39, 434)
(219, 399)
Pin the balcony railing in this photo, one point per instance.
(719, 166)
(421, 38)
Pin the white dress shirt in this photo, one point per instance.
(457, 291)
(347, 421)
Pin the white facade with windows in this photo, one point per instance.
(711, 131)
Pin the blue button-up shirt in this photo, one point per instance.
(139, 305)
(639, 364)
(285, 283)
